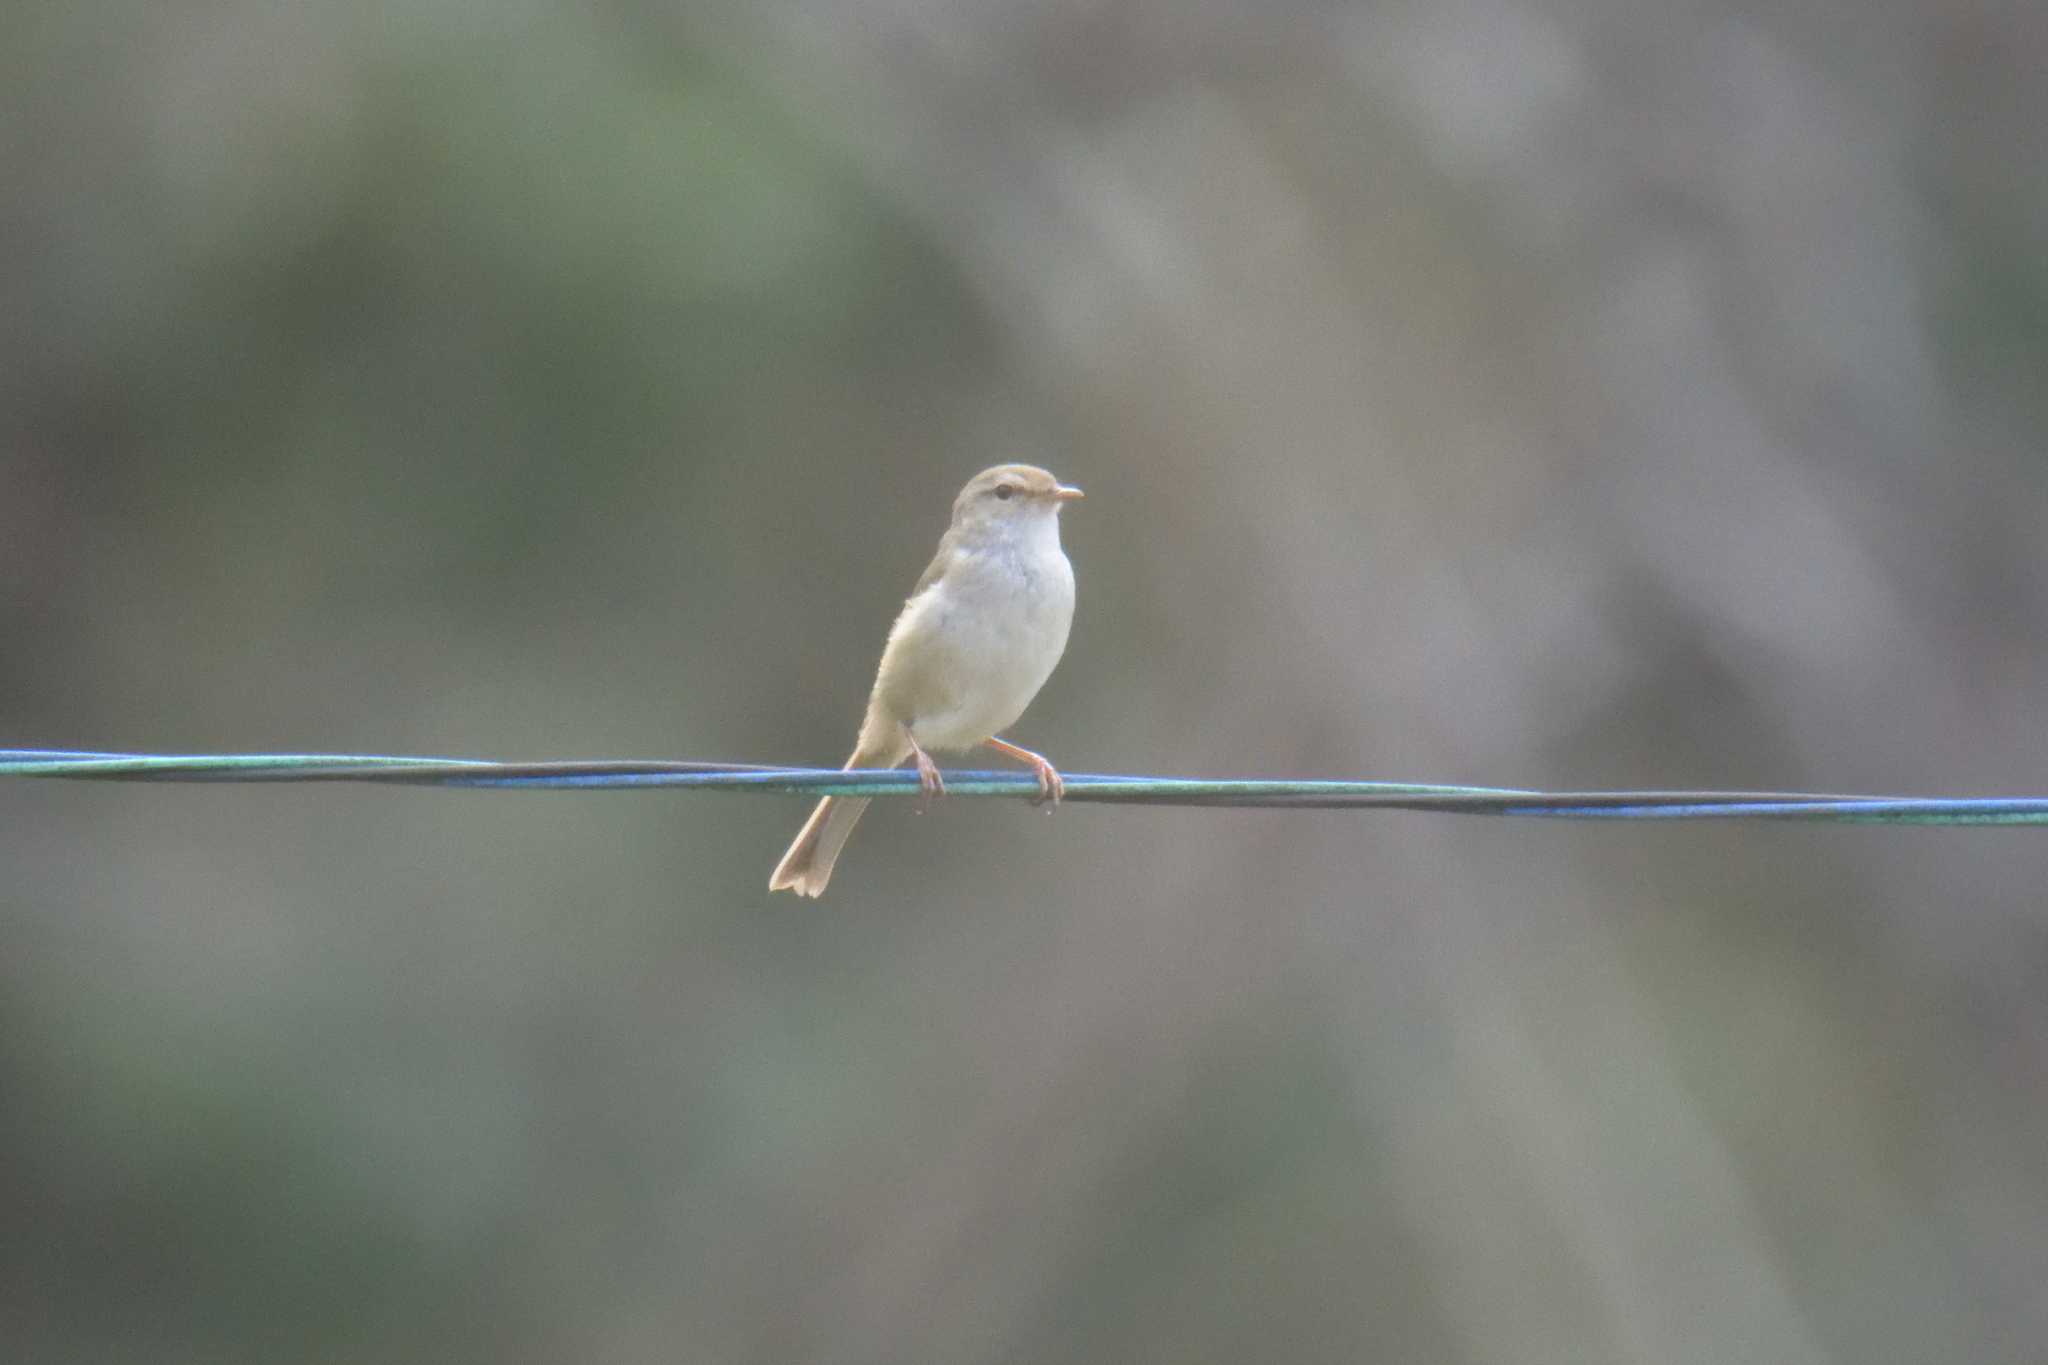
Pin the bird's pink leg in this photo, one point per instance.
(1050, 786)
(928, 780)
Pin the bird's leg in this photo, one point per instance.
(1050, 786)
(929, 782)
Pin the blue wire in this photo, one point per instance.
(1113, 788)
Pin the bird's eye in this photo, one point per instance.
(1004, 492)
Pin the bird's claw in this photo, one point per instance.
(1051, 786)
(929, 783)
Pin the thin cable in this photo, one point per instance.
(1081, 788)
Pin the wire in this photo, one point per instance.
(1081, 788)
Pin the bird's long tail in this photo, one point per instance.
(808, 865)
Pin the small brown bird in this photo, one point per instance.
(980, 634)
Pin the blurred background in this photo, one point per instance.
(1516, 392)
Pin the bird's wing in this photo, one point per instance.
(937, 568)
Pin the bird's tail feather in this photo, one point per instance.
(808, 865)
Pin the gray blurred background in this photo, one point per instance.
(1521, 392)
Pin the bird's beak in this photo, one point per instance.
(1066, 492)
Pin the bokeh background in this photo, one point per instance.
(1518, 392)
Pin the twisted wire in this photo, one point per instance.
(1081, 788)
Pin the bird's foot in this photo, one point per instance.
(1051, 786)
(929, 783)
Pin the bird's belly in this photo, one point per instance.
(987, 654)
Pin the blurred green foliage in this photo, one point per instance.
(1505, 393)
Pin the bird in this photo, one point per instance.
(978, 636)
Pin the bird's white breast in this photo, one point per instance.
(984, 638)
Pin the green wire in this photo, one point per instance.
(1084, 788)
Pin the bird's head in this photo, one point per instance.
(1011, 493)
